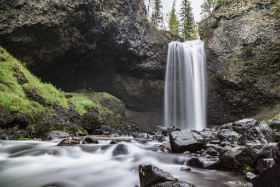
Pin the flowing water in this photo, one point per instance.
(39, 163)
(185, 87)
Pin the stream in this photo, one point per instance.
(40, 163)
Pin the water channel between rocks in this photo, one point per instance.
(39, 163)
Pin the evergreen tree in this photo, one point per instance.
(210, 5)
(188, 24)
(173, 22)
(157, 15)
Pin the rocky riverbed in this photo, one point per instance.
(221, 156)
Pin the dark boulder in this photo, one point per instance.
(151, 175)
(57, 135)
(184, 140)
(276, 155)
(226, 135)
(174, 184)
(253, 136)
(89, 140)
(275, 124)
(5, 118)
(67, 142)
(242, 125)
(120, 149)
(91, 121)
(205, 163)
(248, 157)
(264, 164)
(268, 178)
(268, 133)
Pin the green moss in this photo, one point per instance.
(248, 50)
(24, 139)
(248, 169)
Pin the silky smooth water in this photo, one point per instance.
(38, 163)
(185, 87)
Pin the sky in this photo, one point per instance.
(167, 7)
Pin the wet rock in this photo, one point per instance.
(66, 142)
(207, 133)
(242, 125)
(248, 157)
(250, 176)
(57, 135)
(174, 184)
(162, 129)
(5, 118)
(90, 122)
(89, 140)
(184, 140)
(269, 135)
(114, 142)
(266, 150)
(151, 175)
(97, 132)
(264, 164)
(140, 135)
(276, 155)
(252, 136)
(226, 135)
(205, 163)
(275, 124)
(269, 177)
(227, 159)
(120, 149)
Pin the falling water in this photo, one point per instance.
(185, 89)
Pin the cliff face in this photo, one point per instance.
(103, 45)
(243, 56)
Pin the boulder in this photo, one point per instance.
(276, 155)
(252, 136)
(5, 117)
(91, 121)
(205, 163)
(269, 177)
(242, 125)
(66, 142)
(89, 140)
(120, 149)
(226, 135)
(227, 159)
(264, 164)
(184, 140)
(275, 124)
(174, 184)
(268, 133)
(151, 175)
(248, 157)
(57, 135)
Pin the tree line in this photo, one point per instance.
(181, 23)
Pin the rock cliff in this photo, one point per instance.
(243, 56)
(103, 45)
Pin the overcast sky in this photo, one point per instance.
(167, 7)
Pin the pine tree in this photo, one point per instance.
(188, 24)
(157, 15)
(173, 22)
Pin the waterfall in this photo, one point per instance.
(185, 87)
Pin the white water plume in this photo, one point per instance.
(185, 87)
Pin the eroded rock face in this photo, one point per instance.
(96, 45)
(243, 54)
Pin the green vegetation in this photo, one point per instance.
(248, 169)
(277, 10)
(210, 5)
(248, 50)
(16, 82)
(173, 21)
(189, 30)
(157, 15)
